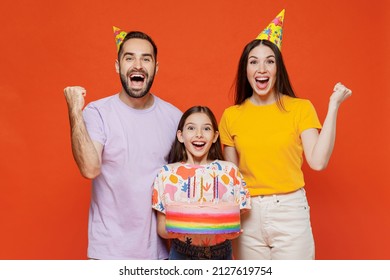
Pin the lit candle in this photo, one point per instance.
(188, 190)
(194, 187)
(201, 190)
(217, 188)
(213, 188)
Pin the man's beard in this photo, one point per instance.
(137, 93)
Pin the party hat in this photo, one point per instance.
(274, 31)
(119, 36)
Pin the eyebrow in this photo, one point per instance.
(253, 56)
(143, 55)
(191, 123)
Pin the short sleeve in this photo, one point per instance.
(241, 189)
(224, 130)
(94, 124)
(157, 193)
(308, 117)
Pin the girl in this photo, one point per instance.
(265, 135)
(196, 172)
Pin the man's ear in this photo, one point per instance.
(117, 65)
(156, 67)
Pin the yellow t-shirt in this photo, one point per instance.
(268, 142)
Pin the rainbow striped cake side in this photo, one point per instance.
(203, 218)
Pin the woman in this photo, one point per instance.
(265, 134)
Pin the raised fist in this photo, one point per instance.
(75, 97)
(340, 93)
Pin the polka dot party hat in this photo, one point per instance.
(119, 36)
(273, 32)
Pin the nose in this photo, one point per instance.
(261, 68)
(138, 63)
(199, 133)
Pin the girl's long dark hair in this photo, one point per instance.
(243, 89)
(178, 151)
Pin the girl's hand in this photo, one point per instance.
(340, 93)
(232, 235)
(173, 235)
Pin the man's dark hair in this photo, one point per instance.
(138, 35)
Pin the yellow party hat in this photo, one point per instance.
(119, 36)
(274, 31)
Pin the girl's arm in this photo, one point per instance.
(230, 235)
(161, 230)
(318, 147)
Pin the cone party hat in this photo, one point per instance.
(274, 31)
(119, 36)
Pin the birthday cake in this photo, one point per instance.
(202, 218)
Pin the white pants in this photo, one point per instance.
(276, 228)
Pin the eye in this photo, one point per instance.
(129, 58)
(253, 62)
(208, 128)
(190, 127)
(147, 59)
(270, 61)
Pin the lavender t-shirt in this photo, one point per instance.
(122, 224)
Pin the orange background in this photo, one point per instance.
(48, 45)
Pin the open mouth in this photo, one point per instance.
(137, 78)
(262, 82)
(198, 144)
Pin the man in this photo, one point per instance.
(120, 142)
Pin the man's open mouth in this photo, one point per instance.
(137, 77)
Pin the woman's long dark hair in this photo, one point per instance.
(243, 89)
(178, 151)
